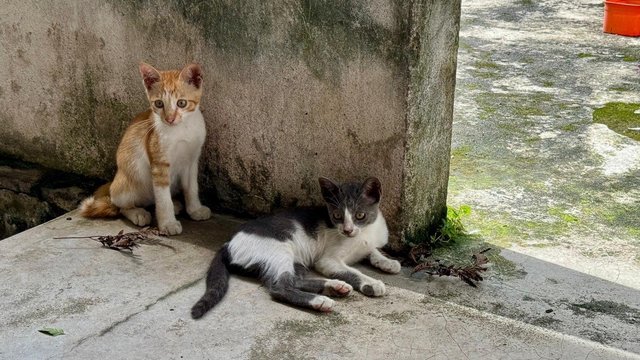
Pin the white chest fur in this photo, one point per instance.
(183, 142)
(353, 249)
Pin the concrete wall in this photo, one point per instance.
(294, 89)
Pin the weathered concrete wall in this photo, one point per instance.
(294, 89)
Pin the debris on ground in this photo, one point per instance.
(419, 252)
(469, 274)
(123, 241)
(52, 331)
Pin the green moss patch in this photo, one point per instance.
(485, 67)
(619, 117)
(519, 104)
(621, 88)
(562, 215)
(569, 127)
(503, 230)
(486, 64)
(461, 151)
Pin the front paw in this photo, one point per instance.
(171, 227)
(390, 266)
(373, 288)
(337, 288)
(201, 213)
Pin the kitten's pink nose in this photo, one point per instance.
(171, 119)
(347, 232)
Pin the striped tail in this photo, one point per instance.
(217, 284)
(99, 205)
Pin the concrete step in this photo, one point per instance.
(114, 304)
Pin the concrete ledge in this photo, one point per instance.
(138, 307)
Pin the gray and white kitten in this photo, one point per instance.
(280, 248)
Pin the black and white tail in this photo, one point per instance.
(217, 284)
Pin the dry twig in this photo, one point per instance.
(418, 252)
(122, 241)
(468, 274)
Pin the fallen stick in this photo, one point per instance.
(122, 241)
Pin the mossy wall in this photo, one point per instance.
(432, 76)
(294, 89)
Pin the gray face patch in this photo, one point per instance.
(352, 204)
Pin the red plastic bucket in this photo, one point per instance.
(622, 17)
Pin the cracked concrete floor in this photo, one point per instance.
(555, 195)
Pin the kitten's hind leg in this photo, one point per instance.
(284, 289)
(177, 206)
(126, 199)
(189, 180)
(320, 286)
(138, 216)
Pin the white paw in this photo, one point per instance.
(138, 216)
(390, 266)
(322, 303)
(202, 213)
(373, 288)
(337, 288)
(177, 207)
(171, 227)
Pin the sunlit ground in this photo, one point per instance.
(543, 154)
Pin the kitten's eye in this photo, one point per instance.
(182, 103)
(337, 215)
(360, 216)
(159, 104)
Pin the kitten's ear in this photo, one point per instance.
(330, 190)
(150, 76)
(372, 190)
(192, 75)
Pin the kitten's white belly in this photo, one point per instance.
(274, 256)
(305, 248)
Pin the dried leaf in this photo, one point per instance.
(52, 331)
(468, 274)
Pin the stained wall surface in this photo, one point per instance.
(293, 90)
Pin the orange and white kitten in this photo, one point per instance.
(158, 154)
